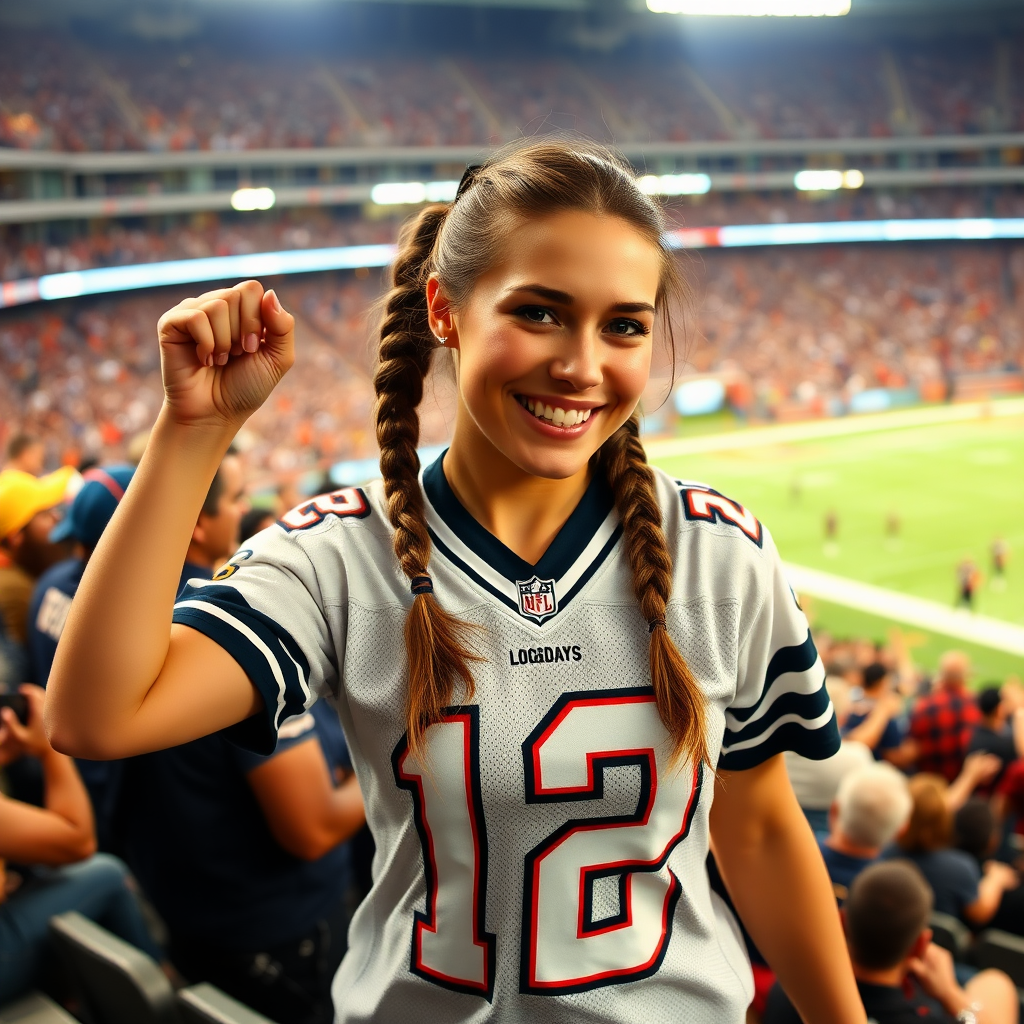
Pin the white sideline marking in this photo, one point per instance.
(915, 611)
(787, 433)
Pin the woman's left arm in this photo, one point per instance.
(774, 872)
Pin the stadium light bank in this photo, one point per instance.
(105, 280)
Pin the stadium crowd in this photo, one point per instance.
(62, 94)
(243, 870)
(800, 331)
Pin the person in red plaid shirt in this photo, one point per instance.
(942, 722)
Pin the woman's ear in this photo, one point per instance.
(440, 315)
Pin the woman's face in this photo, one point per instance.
(554, 343)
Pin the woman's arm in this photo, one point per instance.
(307, 814)
(997, 878)
(62, 831)
(778, 882)
(872, 729)
(123, 681)
(978, 769)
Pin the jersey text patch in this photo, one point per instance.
(712, 507)
(349, 501)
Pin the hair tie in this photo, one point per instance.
(422, 585)
(655, 623)
(467, 179)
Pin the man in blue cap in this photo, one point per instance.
(102, 489)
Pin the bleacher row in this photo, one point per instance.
(109, 981)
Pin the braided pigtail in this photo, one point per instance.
(437, 643)
(681, 702)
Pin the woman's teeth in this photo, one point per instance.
(559, 417)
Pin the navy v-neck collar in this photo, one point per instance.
(563, 552)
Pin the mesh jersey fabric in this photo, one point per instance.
(545, 862)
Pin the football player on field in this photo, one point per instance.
(563, 675)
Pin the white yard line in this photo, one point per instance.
(915, 611)
(789, 433)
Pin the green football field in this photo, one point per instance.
(951, 489)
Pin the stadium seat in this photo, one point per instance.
(118, 983)
(35, 1008)
(1002, 950)
(206, 1004)
(950, 933)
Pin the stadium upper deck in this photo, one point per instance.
(59, 94)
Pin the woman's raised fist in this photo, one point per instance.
(221, 354)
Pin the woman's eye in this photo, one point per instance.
(627, 328)
(536, 314)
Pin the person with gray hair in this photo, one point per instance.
(871, 806)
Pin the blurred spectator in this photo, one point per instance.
(902, 976)
(244, 858)
(26, 551)
(13, 662)
(1008, 801)
(256, 520)
(216, 534)
(241, 854)
(815, 783)
(872, 805)
(56, 845)
(974, 830)
(943, 721)
(26, 453)
(995, 733)
(959, 887)
(86, 519)
(874, 719)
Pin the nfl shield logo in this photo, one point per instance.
(537, 599)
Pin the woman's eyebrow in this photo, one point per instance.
(565, 299)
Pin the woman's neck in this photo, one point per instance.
(524, 512)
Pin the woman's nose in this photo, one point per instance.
(578, 364)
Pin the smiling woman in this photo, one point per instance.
(543, 768)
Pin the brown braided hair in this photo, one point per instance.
(459, 242)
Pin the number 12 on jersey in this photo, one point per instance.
(615, 861)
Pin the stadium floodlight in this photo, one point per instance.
(394, 193)
(675, 184)
(253, 199)
(753, 8)
(827, 181)
(818, 181)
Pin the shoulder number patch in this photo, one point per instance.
(712, 507)
(349, 501)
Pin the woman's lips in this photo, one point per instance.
(563, 420)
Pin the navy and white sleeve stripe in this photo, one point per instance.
(271, 658)
(792, 712)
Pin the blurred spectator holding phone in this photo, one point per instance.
(48, 863)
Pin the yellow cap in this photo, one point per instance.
(22, 495)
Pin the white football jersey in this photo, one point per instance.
(543, 860)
